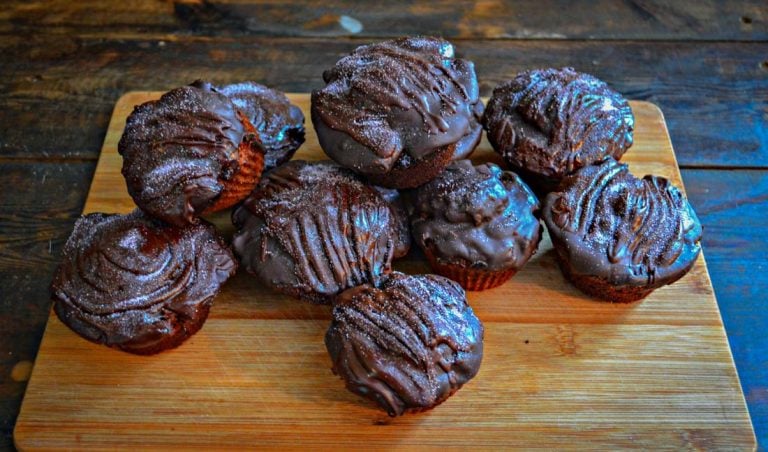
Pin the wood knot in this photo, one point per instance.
(21, 371)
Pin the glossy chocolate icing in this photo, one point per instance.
(179, 150)
(280, 124)
(397, 204)
(407, 345)
(467, 144)
(477, 217)
(606, 223)
(313, 229)
(397, 102)
(134, 283)
(547, 123)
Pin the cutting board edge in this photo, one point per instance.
(20, 432)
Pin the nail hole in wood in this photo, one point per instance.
(764, 65)
(746, 20)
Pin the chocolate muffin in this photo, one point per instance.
(618, 237)
(477, 225)
(280, 124)
(188, 153)
(313, 229)
(407, 345)
(399, 111)
(548, 123)
(136, 284)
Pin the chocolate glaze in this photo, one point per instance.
(134, 283)
(407, 345)
(403, 235)
(312, 229)
(606, 223)
(467, 144)
(476, 216)
(179, 151)
(397, 101)
(547, 123)
(280, 124)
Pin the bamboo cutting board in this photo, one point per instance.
(560, 370)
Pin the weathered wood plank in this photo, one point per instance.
(714, 96)
(732, 206)
(494, 19)
(38, 206)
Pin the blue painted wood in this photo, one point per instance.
(733, 208)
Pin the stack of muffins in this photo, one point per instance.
(398, 119)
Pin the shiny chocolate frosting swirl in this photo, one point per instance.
(312, 230)
(476, 216)
(280, 123)
(137, 284)
(407, 345)
(397, 102)
(606, 223)
(179, 150)
(550, 122)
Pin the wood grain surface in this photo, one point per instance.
(560, 370)
(456, 19)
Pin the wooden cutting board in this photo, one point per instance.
(560, 370)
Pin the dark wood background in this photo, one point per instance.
(63, 64)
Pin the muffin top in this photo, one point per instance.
(129, 276)
(313, 229)
(476, 216)
(178, 149)
(551, 122)
(626, 230)
(408, 344)
(403, 98)
(280, 123)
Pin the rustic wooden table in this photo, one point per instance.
(64, 64)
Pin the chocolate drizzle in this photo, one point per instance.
(179, 151)
(396, 100)
(134, 283)
(477, 217)
(549, 123)
(280, 124)
(636, 232)
(407, 345)
(312, 230)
